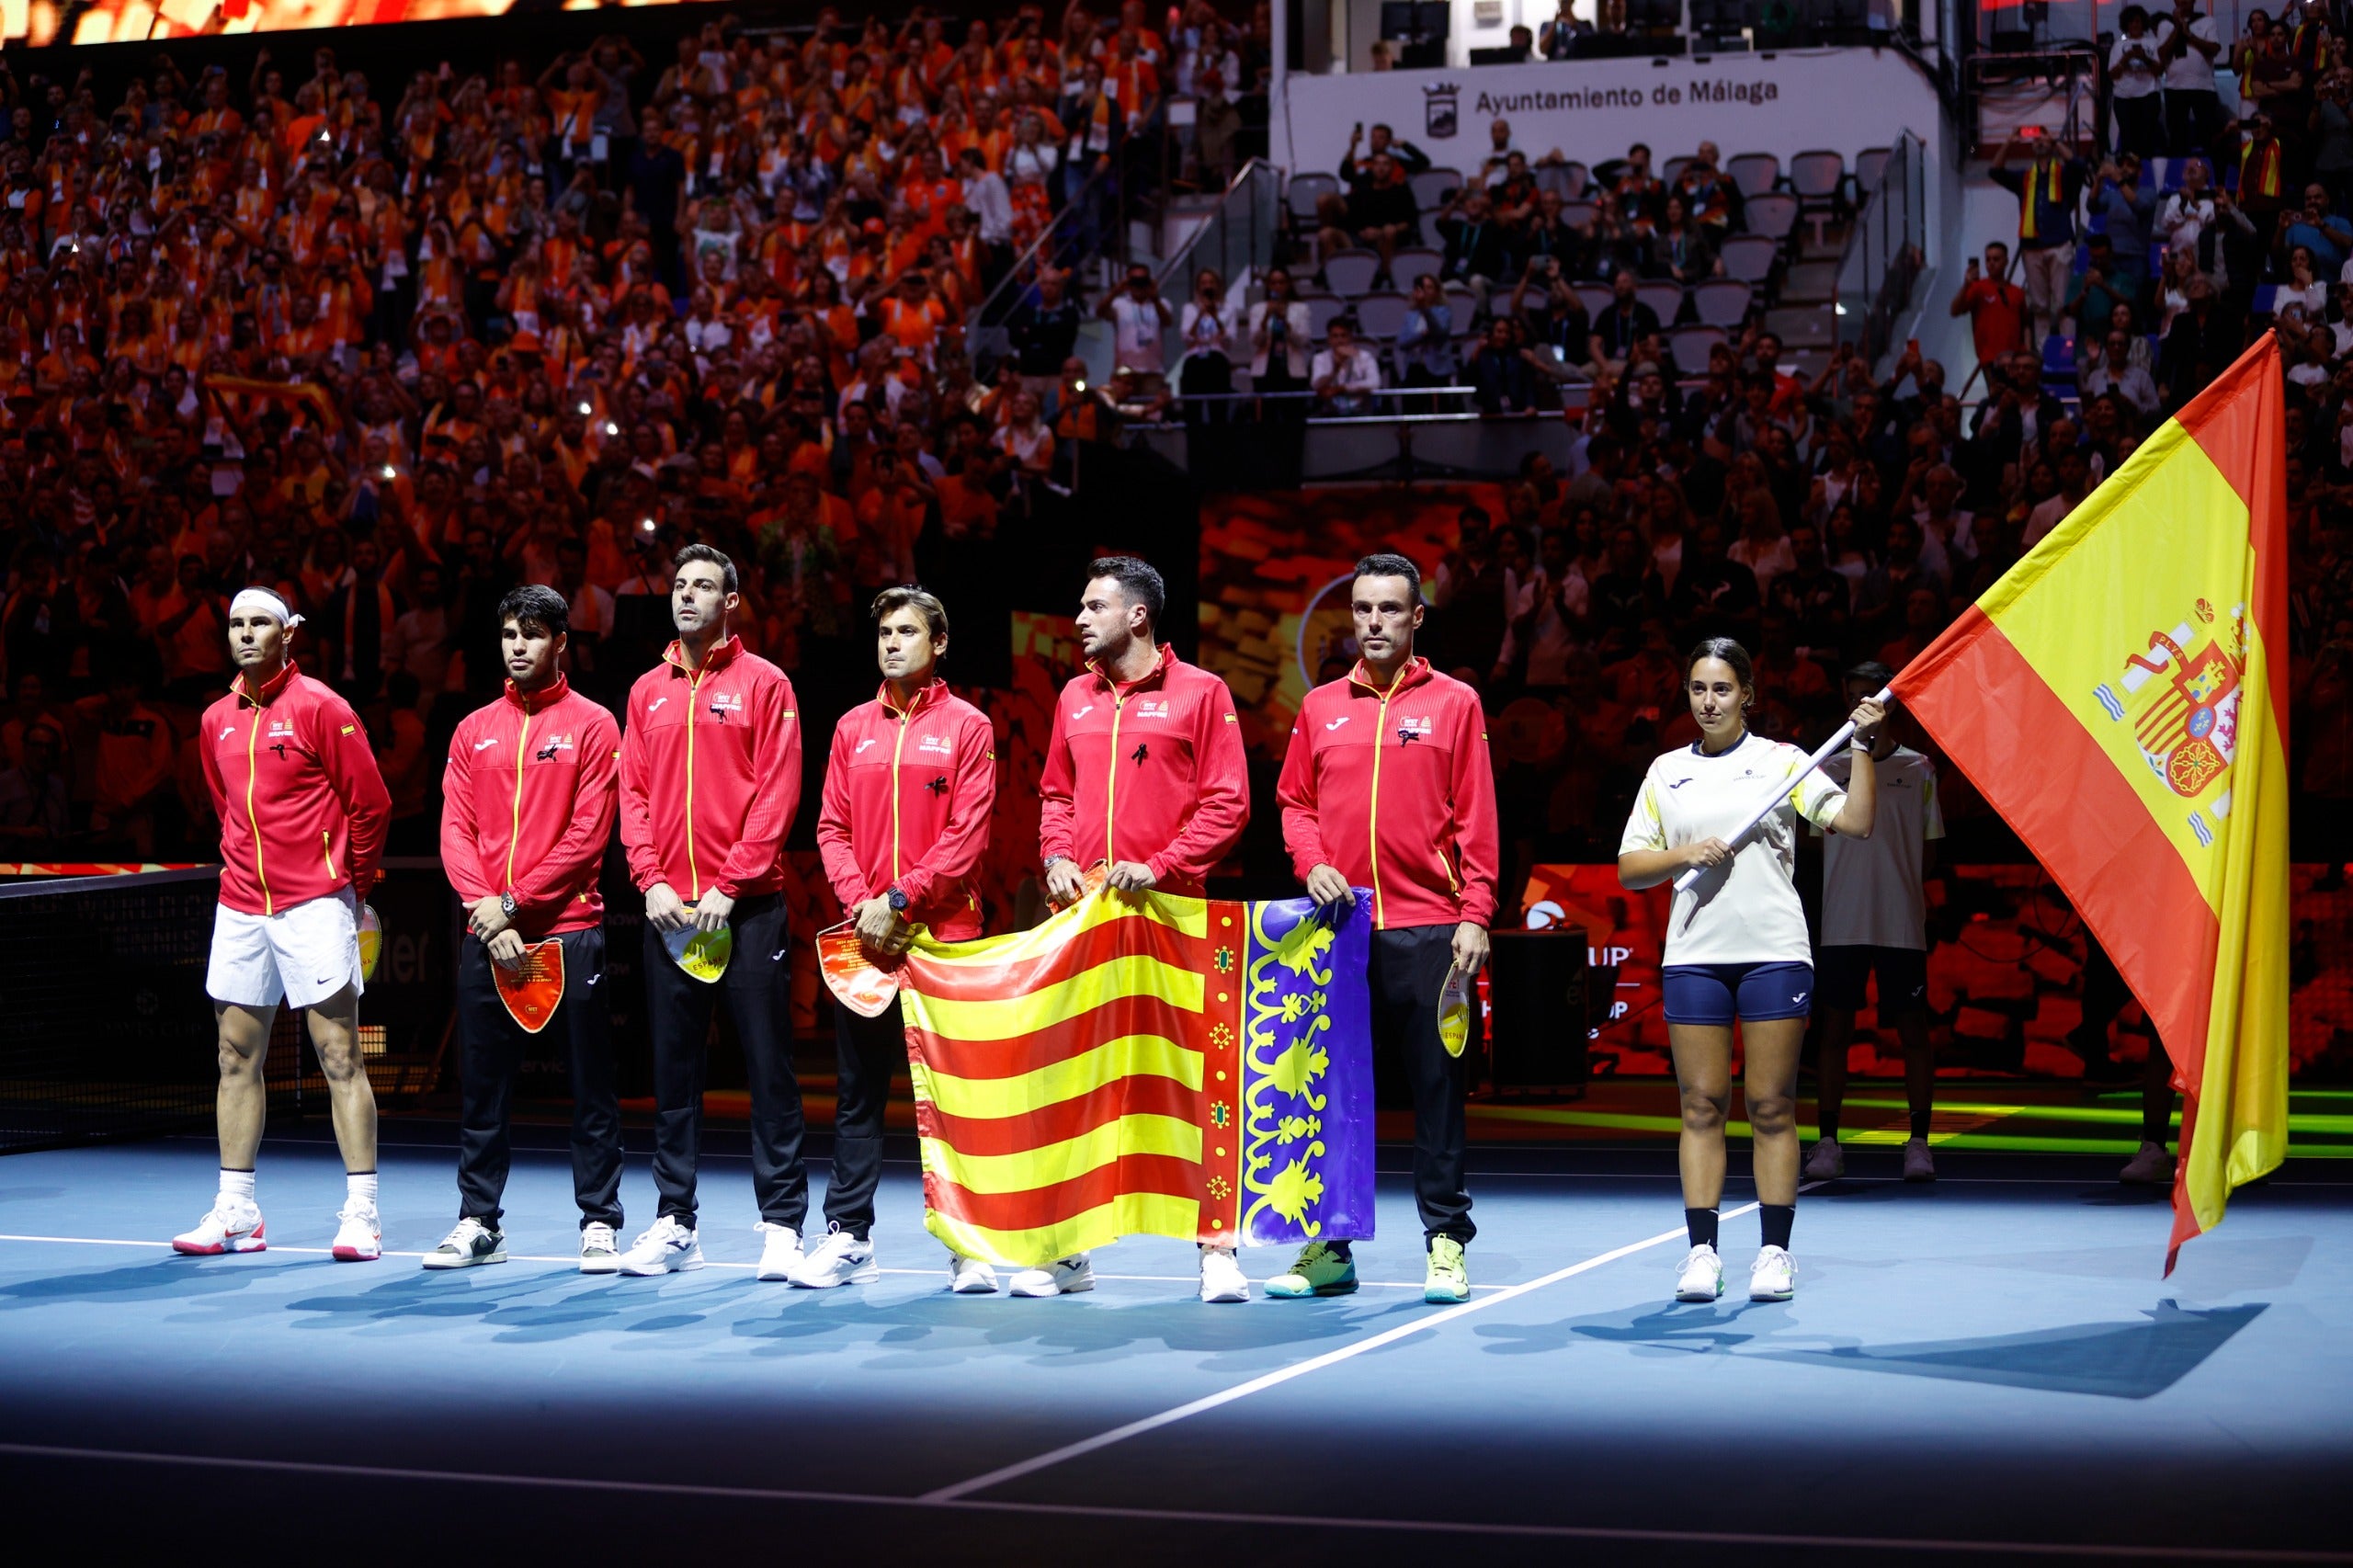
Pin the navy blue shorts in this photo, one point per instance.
(1753, 993)
(1903, 979)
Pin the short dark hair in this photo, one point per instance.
(534, 605)
(706, 553)
(1873, 674)
(908, 596)
(1139, 584)
(1732, 654)
(1389, 564)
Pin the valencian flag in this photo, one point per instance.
(1145, 1064)
(2120, 697)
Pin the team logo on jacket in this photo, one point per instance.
(1150, 708)
(725, 703)
(548, 752)
(1412, 730)
(937, 745)
(281, 731)
(862, 746)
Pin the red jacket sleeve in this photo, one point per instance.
(1475, 835)
(1221, 807)
(573, 861)
(834, 842)
(358, 783)
(776, 789)
(1054, 785)
(460, 849)
(637, 807)
(1302, 825)
(965, 838)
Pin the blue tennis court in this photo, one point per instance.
(1987, 1367)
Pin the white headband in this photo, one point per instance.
(269, 604)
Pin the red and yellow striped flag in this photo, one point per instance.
(2120, 697)
(1144, 1064)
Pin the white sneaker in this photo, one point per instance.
(780, 1252)
(1702, 1277)
(970, 1276)
(1063, 1276)
(1773, 1276)
(360, 1237)
(470, 1243)
(667, 1247)
(599, 1255)
(840, 1260)
(1828, 1163)
(1221, 1277)
(1918, 1164)
(2152, 1166)
(231, 1226)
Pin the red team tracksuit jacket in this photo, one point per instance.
(527, 806)
(1151, 772)
(907, 803)
(303, 809)
(711, 774)
(1394, 791)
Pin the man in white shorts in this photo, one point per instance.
(303, 813)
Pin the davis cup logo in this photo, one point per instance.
(1442, 111)
(2182, 699)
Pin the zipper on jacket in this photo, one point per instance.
(326, 842)
(514, 827)
(694, 877)
(1111, 786)
(253, 825)
(1372, 817)
(895, 747)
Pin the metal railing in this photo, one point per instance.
(1885, 251)
(1236, 241)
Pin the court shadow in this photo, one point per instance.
(165, 1280)
(2116, 1195)
(1671, 1328)
(29, 1194)
(2115, 1361)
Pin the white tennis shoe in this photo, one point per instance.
(1063, 1276)
(779, 1251)
(359, 1235)
(970, 1276)
(840, 1260)
(599, 1255)
(1773, 1276)
(666, 1247)
(231, 1226)
(1221, 1277)
(1702, 1277)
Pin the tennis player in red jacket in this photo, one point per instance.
(527, 814)
(910, 783)
(303, 814)
(710, 776)
(1145, 773)
(1387, 786)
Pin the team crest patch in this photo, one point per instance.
(2180, 695)
(1151, 708)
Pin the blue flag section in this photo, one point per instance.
(1307, 1110)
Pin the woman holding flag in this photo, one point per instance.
(1737, 949)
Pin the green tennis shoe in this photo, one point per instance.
(1320, 1269)
(1447, 1281)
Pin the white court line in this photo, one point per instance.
(574, 1259)
(1298, 1370)
(1882, 1544)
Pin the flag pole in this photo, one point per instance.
(1823, 754)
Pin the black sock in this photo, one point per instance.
(1775, 1220)
(1340, 1249)
(1920, 1120)
(1827, 1122)
(2156, 1121)
(1701, 1223)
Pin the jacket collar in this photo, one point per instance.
(1160, 668)
(721, 654)
(270, 689)
(540, 700)
(1416, 671)
(933, 693)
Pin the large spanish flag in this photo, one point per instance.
(1144, 1064)
(2120, 697)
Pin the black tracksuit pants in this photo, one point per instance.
(870, 1051)
(491, 1054)
(1407, 969)
(757, 989)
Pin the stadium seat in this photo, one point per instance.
(1662, 296)
(1749, 257)
(1305, 190)
(1772, 215)
(1349, 273)
(1690, 344)
(1818, 178)
(1810, 282)
(1568, 180)
(1870, 165)
(1673, 169)
(1579, 214)
(1379, 316)
(1323, 309)
(1432, 187)
(1804, 326)
(1431, 235)
(1461, 304)
(1753, 173)
(1721, 302)
(1596, 297)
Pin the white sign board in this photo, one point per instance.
(1843, 100)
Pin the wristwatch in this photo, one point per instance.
(898, 902)
(506, 904)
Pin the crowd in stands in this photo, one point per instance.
(394, 347)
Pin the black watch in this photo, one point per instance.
(506, 904)
(898, 902)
